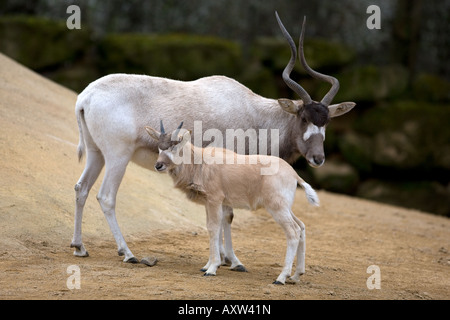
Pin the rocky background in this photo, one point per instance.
(393, 147)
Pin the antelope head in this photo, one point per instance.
(312, 116)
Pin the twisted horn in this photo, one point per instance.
(333, 81)
(290, 66)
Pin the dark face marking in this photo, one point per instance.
(316, 113)
(165, 141)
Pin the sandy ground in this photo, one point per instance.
(39, 168)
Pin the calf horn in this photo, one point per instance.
(178, 129)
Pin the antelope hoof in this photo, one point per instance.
(278, 282)
(85, 254)
(149, 261)
(80, 251)
(132, 260)
(209, 274)
(239, 268)
(226, 262)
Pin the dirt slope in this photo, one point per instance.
(39, 168)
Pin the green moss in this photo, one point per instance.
(40, 43)
(408, 134)
(323, 54)
(431, 88)
(370, 83)
(260, 80)
(429, 196)
(357, 150)
(336, 176)
(178, 56)
(274, 53)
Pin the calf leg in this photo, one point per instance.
(213, 224)
(94, 164)
(236, 265)
(300, 269)
(292, 230)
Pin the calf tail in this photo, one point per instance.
(311, 195)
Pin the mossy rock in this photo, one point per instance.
(428, 196)
(336, 176)
(75, 76)
(370, 83)
(357, 150)
(431, 88)
(40, 43)
(403, 135)
(178, 56)
(260, 80)
(331, 143)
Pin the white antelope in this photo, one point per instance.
(236, 184)
(113, 111)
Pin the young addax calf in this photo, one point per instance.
(237, 184)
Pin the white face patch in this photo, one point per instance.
(166, 153)
(313, 129)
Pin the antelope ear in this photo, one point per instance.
(339, 109)
(153, 133)
(289, 106)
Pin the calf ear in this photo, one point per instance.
(183, 137)
(186, 136)
(289, 106)
(339, 109)
(153, 133)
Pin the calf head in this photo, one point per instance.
(170, 145)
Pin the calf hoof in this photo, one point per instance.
(239, 268)
(206, 274)
(206, 268)
(293, 280)
(278, 282)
